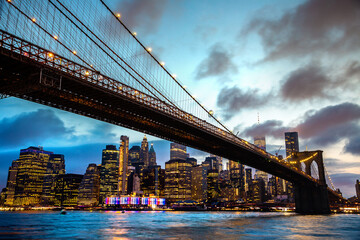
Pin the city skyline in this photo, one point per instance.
(260, 81)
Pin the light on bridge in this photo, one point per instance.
(149, 49)
(162, 63)
(134, 33)
(56, 37)
(50, 54)
(174, 75)
(118, 15)
(74, 52)
(9, 1)
(184, 87)
(33, 19)
(87, 73)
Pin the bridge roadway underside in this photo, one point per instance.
(20, 77)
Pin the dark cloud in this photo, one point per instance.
(316, 26)
(271, 128)
(217, 63)
(353, 144)
(305, 83)
(353, 69)
(334, 134)
(32, 128)
(319, 129)
(233, 100)
(326, 119)
(142, 14)
(333, 163)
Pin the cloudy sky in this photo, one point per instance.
(294, 63)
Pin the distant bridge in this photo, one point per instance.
(126, 86)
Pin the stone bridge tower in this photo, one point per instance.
(310, 198)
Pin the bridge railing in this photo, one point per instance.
(50, 59)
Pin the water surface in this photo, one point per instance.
(176, 225)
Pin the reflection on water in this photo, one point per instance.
(176, 225)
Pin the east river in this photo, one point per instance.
(176, 225)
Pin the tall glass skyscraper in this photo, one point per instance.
(144, 152)
(152, 156)
(177, 151)
(109, 173)
(123, 164)
(291, 142)
(32, 168)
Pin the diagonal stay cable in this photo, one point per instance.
(177, 82)
(89, 37)
(48, 33)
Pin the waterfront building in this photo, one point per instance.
(152, 181)
(11, 183)
(237, 178)
(178, 151)
(198, 183)
(32, 168)
(178, 180)
(248, 178)
(213, 189)
(257, 191)
(152, 156)
(144, 152)
(262, 175)
(109, 173)
(66, 189)
(357, 187)
(55, 167)
(123, 164)
(291, 143)
(89, 189)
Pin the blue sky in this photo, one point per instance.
(293, 62)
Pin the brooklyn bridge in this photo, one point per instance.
(80, 57)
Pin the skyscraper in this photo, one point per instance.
(134, 155)
(123, 164)
(261, 143)
(32, 168)
(151, 182)
(152, 156)
(144, 152)
(291, 142)
(237, 178)
(66, 189)
(198, 183)
(89, 189)
(11, 183)
(177, 180)
(177, 151)
(109, 173)
(248, 178)
(357, 187)
(55, 166)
